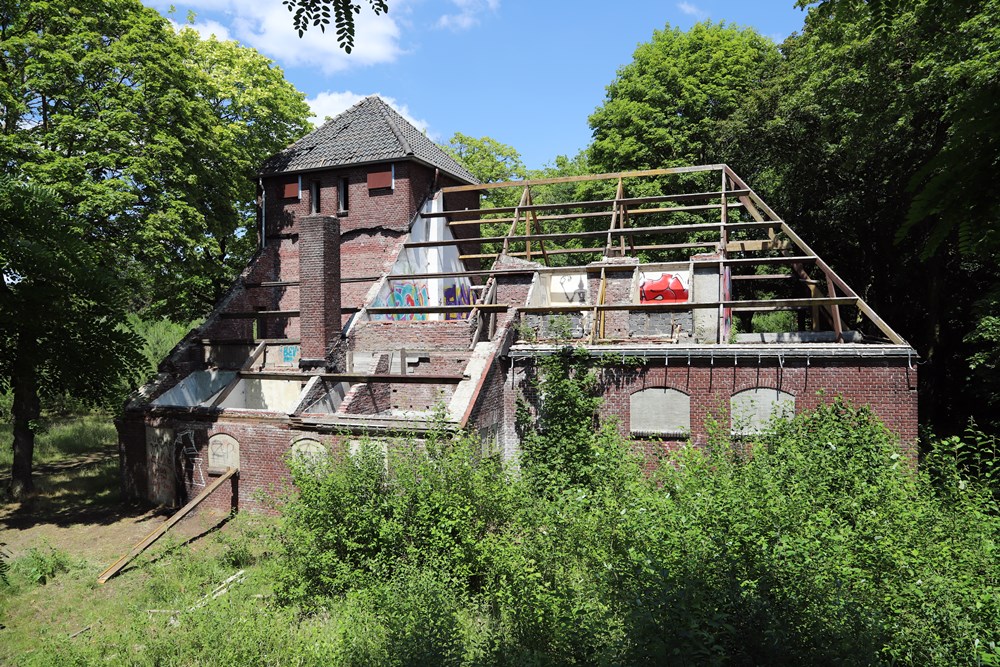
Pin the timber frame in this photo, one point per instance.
(754, 247)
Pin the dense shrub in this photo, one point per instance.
(825, 545)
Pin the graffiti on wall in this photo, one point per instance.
(403, 293)
(658, 287)
(568, 288)
(459, 294)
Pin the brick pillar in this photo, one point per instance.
(319, 288)
(620, 278)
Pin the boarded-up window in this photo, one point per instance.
(309, 451)
(660, 412)
(290, 190)
(223, 452)
(378, 180)
(751, 410)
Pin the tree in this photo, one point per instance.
(875, 130)
(151, 137)
(670, 105)
(255, 112)
(139, 144)
(61, 314)
(490, 161)
(317, 13)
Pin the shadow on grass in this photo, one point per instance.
(81, 489)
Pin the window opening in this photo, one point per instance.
(342, 200)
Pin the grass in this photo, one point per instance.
(59, 438)
(149, 613)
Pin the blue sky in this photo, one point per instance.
(527, 73)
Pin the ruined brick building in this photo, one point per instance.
(382, 295)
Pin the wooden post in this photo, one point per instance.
(831, 291)
(619, 195)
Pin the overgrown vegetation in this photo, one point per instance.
(823, 545)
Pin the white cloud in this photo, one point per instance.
(467, 15)
(206, 29)
(267, 26)
(692, 10)
(330, 103)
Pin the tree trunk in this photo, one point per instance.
(26, 411)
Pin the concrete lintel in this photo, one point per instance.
(747, 351)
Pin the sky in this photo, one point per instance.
(527, 73)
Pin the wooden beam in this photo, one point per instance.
(599, 214)
(252, 315)
(589, 177)
(589, 203)
(249, 284)
(374, 378)
(768, 276)
(566, 236)
(405, 310)
(757, 245)
(832, 276)
(834, 311)
(761, 304)
(164, 527)
(579, 251)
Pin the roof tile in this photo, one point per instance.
(370, 131)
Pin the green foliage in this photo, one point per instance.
(150, 138)
(58, 438)
(159, 337)
(774, 322)
(825, 543)
(4, 565)
(490, 161)
(865, 138)
(671, 105)
(354, 524)
(40, 566)
(317, 13)
(563, 445)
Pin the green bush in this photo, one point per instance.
(823, 545)
(41, 565)
(353, 524)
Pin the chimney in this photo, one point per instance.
(319, 289)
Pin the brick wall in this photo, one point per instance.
(888, 386)
(383, 336)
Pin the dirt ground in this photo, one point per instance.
(78, 509)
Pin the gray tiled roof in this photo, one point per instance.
(370, 131)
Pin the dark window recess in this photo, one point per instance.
(290, 191)
(378, 180)
(314, 202)
(342, 202)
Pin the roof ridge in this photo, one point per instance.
(403, 143)
(369, 131)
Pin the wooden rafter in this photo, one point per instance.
(764, 240)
